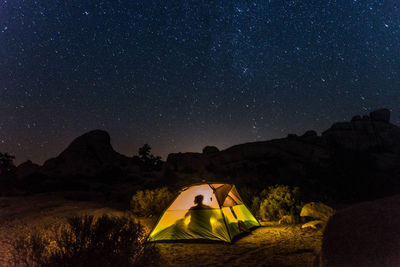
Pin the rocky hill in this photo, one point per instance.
(347, 161)
(358, 159)
(88, 155)
(88, 164)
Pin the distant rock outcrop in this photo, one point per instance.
(88, 155)
(310, 134)
(380, 115)
(368, 133)
(90, 165)
(210, 150)
(26, 168)
(346, 161)
(355, 160)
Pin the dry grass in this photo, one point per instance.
(20, 214)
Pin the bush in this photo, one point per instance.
(85, 241)
(278, 201)
(256, 202)
(151, 202)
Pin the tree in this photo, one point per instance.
(144, 152)
(6, 163)
(148, 161)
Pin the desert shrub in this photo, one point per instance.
(151, 202)
(256, 202)
(86, 241)
(278, 201)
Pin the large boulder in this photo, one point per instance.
(310, 133)
(315, 225)
(210, 150)
(317, 211)
(27, 168)
(366, 234)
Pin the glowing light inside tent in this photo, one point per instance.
(187, 220)
(207, 194)
(178, 222)
(186, 198)
(213, 221)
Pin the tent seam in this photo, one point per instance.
(223, 216)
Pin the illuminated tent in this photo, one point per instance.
(223, 216)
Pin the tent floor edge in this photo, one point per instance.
(189, 241)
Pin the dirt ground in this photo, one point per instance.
(269, 245)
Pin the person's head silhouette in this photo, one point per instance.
(198, 200)
(198, 203)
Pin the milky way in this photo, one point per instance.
(180, 75)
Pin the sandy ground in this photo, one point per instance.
(270, 245)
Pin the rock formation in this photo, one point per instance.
(347, 161)
(210, 150)
(87, 155)
(317, 211)
(27, 168)
(315, 225)
(354, 160)
(366, 234)
(368, 133)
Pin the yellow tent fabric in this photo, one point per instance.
(221, 216)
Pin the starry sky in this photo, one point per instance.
(183, 74)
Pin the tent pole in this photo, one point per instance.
(223, 216)
(227, 228)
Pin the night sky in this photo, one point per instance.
(180, 75)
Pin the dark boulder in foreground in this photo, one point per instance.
(317, 211)
(367, 234)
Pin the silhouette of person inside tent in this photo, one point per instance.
(200, 215)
